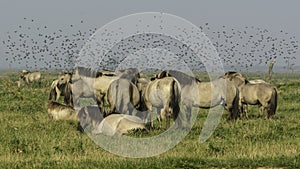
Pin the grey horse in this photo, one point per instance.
(262, 94)
(164, 94)
(31, 77)
(123, 96)
(206, 95)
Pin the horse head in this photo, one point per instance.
(64, 78)
(162, 74)
(236, 77)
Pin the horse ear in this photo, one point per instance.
(158, 76)
(98, 74)
(166, 74)
(246, 81)
(228, 76)
(153, 78)
(162, 74)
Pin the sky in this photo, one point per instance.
(273, 15)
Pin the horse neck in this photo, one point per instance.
(214, 85)
(89, 81)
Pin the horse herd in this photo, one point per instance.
(122, 91)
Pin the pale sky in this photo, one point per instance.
(273, 15)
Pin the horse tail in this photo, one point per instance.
(115, 98)
(119, 103)
(68, 94)
(175, 100)
(40, 79)
(130, 102)
(273, 103)
(235, 107)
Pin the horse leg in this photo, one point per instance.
(160, 115)
(188, 111)
(168, 118)
(241, 112)
(150, 117)
(57, 95)
(266, 105)
(261, 111)
(245, 111)
(165, 113)
(130, 109)
(149, 113)
(76, 100)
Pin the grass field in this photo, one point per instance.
(28, 139)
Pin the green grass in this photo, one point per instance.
(29, 139)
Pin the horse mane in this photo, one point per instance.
(230, 73)
(105, 74)
(88, 72)
(233, 73)
(152, 78)
(53, 105)
(246, 81)
(183, 78)
(162, 74)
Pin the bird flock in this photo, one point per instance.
(36, 46)
(33, 47)
(251, 45)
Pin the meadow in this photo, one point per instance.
(29, 139)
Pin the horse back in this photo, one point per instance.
(102, 83)
(260, 92)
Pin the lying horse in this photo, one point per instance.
(164, 94)
(123, 96)
(262, 94)
(31, 77)
(256, 81)
(57, 111)
(195, 93)
(118, 124)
